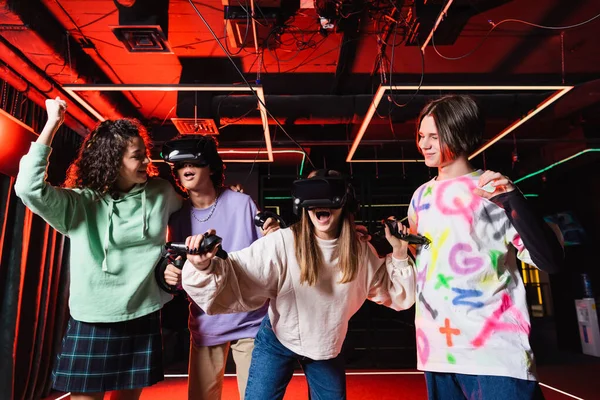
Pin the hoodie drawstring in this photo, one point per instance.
(144, 226)
(111, 207)
(107, 234)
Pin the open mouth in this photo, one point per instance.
(189, 175)
(323, 215)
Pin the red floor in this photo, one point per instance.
(579, 382)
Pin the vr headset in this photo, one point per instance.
(323, 191)
(184, 150)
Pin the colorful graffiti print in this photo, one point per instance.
(463, 294)
(449, 331)
(422, 346)
(493, 323)
(433, 312)
(417, 202)
(463, 206)
(435, 247)
(463, 260)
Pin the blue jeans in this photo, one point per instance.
(445, 386)
(272, 367)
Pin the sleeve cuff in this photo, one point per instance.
(39, 148)
(206, 271)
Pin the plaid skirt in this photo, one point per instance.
(100, 357)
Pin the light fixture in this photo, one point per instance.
(558, 92)
(72, 90)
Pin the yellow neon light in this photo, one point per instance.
(524, 270)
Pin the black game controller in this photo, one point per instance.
(169, 255)
(392, 225)
(173, 250)
(208, 244)
(261, 218)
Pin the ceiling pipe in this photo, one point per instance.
(37, 97)
(30, 74)
(40, 31)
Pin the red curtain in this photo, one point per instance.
(34, 287)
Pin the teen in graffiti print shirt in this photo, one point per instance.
(472, 323)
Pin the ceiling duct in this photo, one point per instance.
(142, 39)
(143, 26)
(195, 126)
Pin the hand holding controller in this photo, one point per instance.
(207, 245)
(392, 225)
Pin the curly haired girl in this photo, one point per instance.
(116, 218)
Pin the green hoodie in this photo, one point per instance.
(115, 243)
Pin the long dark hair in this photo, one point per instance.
(101, 155)
(459, 123)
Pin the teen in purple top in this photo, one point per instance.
(210, 205)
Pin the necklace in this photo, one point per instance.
(212, 210)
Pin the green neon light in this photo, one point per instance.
(564, 160)
(278, 198)
(531, 195)
(302, 163)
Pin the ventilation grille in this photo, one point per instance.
(142, 38)
(198, 126)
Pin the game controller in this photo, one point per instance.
(208, 244)
(174, 250)
(392, 225)
(261, 218)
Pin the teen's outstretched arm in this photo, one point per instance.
(243, 282)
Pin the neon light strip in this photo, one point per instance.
(536, 274)
(253, 27)
(232, 151)
(560, 391)
(440, 18)
(521, 121)
(368, 116)
(559, 92)
(71, 89)
(564, 160)
(531, 195)
(159, 87)
(278, 198)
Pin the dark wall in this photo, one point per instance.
(574, 188)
